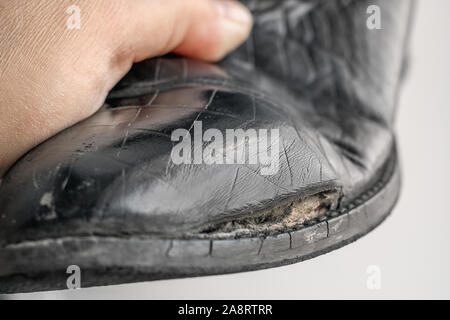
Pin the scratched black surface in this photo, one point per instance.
(311, 69)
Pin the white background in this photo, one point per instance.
(411, 248)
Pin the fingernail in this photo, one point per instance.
(236, 23)
(234, 11)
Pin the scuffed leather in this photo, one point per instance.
(310, 68)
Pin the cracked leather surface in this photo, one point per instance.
(311, 69)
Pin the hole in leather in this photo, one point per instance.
(281, 218)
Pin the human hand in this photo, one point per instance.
(53, 76)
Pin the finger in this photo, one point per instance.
(204, 29)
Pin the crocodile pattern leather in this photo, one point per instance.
(311, 69)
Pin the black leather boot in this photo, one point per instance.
(150, 187)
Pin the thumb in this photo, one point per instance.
(203, 29)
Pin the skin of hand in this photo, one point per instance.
(53, 76)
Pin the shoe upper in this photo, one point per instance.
(312, 74)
